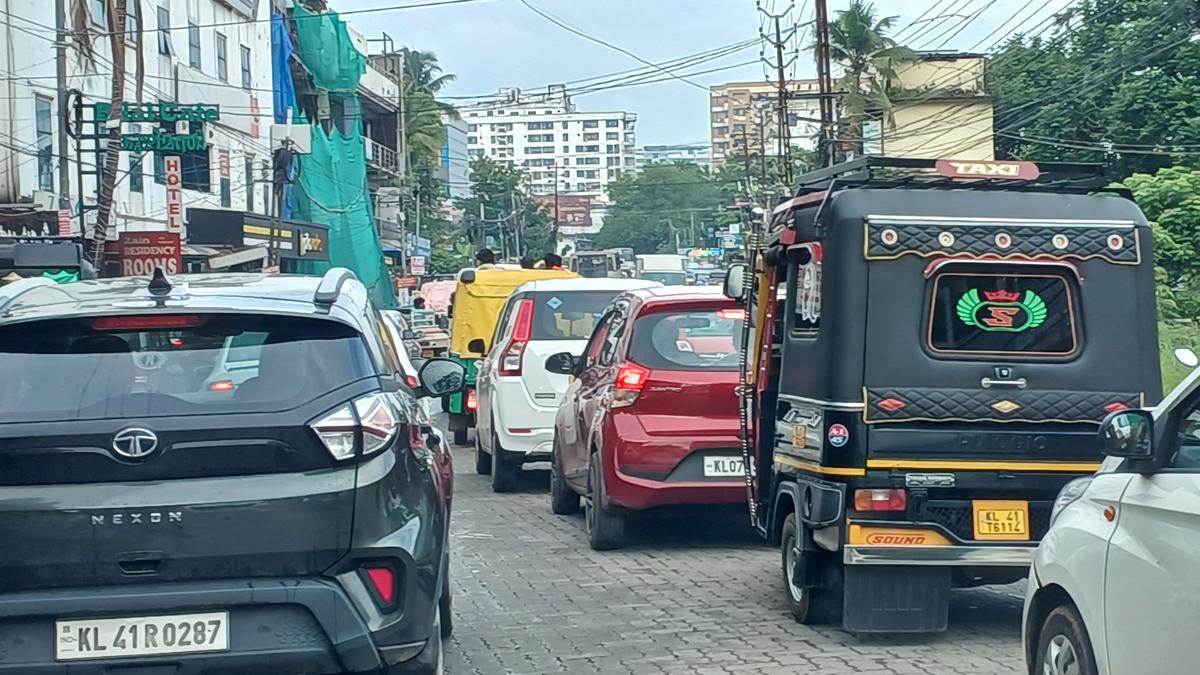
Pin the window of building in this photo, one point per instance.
(566, 137)
(472, 140)
(612, 136)
(566, 161)
(251, 188)
(590, 173)
(614, 149)
(164, 31)
(472, 127)
(564, 125)
(194, 59)
(490, 113)
(193, 165)
(612, 123)
(614, 161)
(566, 149)
(613, 173)
(587, 148)
(133, 16)
(591, 124)
(541, 126)
(44, 116)
(591, 137)
(222, 59)
(247, 80)
(136, 175)
(475, 152)
(589, 160)
(98, 9)
(567, 187)
(739, 128)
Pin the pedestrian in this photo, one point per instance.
(553, 261)
(526, 262)
(418, 302)
(485, 259)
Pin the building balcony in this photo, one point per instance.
(381, 159)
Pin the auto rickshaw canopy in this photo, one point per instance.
(477, 304)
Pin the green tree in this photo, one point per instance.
(858, 41)
(1170, 199)
(422, 72)
(1117, 81)
(502, 213)
(651, 208)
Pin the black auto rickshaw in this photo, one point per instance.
(932, 346)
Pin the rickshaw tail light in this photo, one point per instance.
(1115, 406)
(880, 500)
(514, 353)
(631, 378)
(472, 401)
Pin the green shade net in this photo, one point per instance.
(332, 189)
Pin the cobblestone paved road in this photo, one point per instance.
(683, 597)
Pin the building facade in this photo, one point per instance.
(699, 154)
(194, 52)
(454, 165)
(943, 111)
(561, 148)
(743, 119)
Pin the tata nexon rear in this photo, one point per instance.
(933, 348)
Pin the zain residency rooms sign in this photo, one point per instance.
(170, 115)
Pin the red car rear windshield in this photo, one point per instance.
(704, 339)
(153, 366)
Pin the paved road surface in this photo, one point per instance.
(686, 596)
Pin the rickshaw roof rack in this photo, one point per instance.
(905, 172)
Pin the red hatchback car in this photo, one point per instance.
(651, 416)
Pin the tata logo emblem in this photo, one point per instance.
(952, 168)
(134, 443)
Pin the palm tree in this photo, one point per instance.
(859, 42)
(422, 72)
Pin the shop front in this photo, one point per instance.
(242, 241)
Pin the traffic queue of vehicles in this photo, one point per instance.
(925, 352)
(219, 473)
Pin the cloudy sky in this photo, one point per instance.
(503, 43)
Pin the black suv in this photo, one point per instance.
(219, 473)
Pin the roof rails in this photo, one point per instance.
(331, 284)
(12, 292)
(896, 172)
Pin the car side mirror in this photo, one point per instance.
(477, 346)
(562, 363)
(410, 334)
(735, 282)
(442, 377)
(1128, 434)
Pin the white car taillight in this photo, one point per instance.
(374, 416)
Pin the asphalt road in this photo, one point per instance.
(700, 594)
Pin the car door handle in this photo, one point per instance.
(988, 383)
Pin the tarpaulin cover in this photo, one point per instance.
(331, 188)
(281, 52)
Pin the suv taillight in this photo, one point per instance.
(514, 352)
(631, 378)
(373, 415)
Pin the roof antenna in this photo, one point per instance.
(159, 284)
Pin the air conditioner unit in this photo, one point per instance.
(43, 201)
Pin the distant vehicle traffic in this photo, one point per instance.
(517, 396)
(650, 418)
(667, 269)
(1112, 587)
(292, 519)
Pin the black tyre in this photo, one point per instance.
(445, 404)
(809, 605)
(460, 435)
(483, 461)
(445, 603)
(504, 472)
(1063, 645)
(563, 500)
(605, 529)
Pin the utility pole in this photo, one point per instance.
(785, 144)
(112, 149)
(825, 149)
(60, 76)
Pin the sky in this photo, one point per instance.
(489, 44)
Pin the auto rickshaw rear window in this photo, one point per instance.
(998, 314)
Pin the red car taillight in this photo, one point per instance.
(880, 500)
(374, 416)
(383, 582)
(514, 352)
(472, 401)
(631, 378)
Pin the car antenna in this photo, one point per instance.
(159, 284)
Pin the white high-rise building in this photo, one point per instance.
(561, 148)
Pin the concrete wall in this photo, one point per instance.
(941, 129)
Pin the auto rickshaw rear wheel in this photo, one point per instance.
(809, 605)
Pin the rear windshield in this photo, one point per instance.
(695, 340)
(569, 315)
(1021, 314)
(118, 367)
(665, 278)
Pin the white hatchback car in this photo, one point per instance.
(1114, 586)
(517, 396)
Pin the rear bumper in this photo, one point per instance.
(279, 625)
(638, 494)
(941, 556)
(525, 429)
(645, 471)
